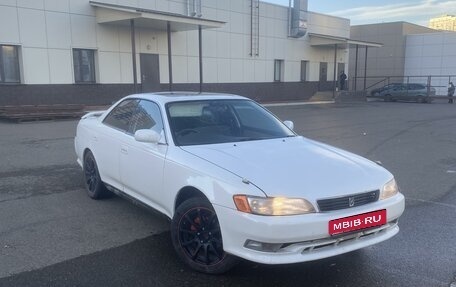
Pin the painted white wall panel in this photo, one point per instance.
(209, 3)
(209, 13)
(449, 38)
(60, 66)
(34, 4)
(240, 6)
(125, 39)
(32, 25)
(179, 43)
(8, 18)
(249, 71)
(237, 22)
(237, 46)
(237, 71)
(58, 30)
(193, 43)
(8, 2)
(260, 70)
(108, 38)
(109, 67)
(224, 70)
(164, 72)
(210, 70)
(57, 5)
(83, 31)
(269, 71)
(193, 69)
(210, 43)
(36, 65)
(126, 68)
(147, 4)
(81, 7)
(162, 5)
(177, 7)
(180, 69)
(223, 5)
(224, 16)
(223, 45)
(432, 50)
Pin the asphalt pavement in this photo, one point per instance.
(52, 234)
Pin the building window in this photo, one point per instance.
(304, 65)
(84, 66)
(278, 70)
(9, 64)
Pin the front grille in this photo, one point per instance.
(348, 201)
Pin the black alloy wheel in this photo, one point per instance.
(197, 237)
(95, 187)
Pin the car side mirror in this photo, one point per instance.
(147, 136)
(289, 124)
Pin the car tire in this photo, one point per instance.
(388, 98)
(421, 99)
(197, 237)
(94, 186)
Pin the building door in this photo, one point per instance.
(150, 72)
(323, 71)
(323, 77)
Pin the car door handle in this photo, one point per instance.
(124, 150)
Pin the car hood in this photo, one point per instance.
(295, 167)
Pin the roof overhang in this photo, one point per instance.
(331, 41)
(145, 18)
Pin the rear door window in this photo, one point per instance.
(120, 117)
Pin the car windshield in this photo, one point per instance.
(222, 121)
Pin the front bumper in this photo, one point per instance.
(303, 237)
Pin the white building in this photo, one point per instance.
(81, 51)
(432, 57)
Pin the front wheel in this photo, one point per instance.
(197, 237)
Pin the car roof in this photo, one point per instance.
(167, 97)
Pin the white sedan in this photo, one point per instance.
(235, 180)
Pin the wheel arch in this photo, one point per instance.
(188, 192)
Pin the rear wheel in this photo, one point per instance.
(421, 99)
(95, 187)
(197, 237)
(388, 98)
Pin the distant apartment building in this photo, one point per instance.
(444, 23)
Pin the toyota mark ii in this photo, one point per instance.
(235, 180)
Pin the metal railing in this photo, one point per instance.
(438, 82)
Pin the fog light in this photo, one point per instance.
(261, 246)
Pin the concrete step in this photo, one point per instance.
(322, 96)
(350, 96)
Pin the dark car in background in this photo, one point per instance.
(411, 92)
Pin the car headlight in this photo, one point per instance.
(272, 205)
(389, 189)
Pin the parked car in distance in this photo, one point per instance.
(235, 180)
(404, 92)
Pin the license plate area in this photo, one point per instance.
(357, 222)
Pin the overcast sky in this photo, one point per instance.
(375, 11)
